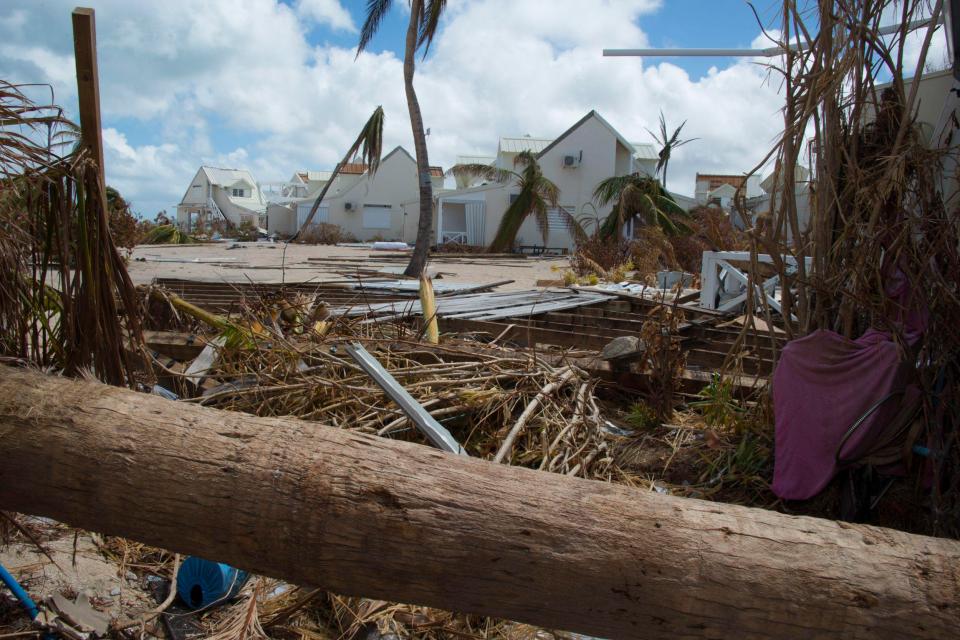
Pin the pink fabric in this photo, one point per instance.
(823, 384)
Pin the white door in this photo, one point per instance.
(303, 210)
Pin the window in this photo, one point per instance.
(238, 193)
(376, 216)
(557, 221)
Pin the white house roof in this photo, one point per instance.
(313, 176)
(228, 177)
(475, 159)
(524, 143)
(598, 118)
(800, 174)
(645, 151)
(724, 190)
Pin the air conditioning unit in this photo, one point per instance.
(573, 161)
(348, 206)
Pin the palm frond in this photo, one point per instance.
(542, 217)
(429, 21)
(484, 171)
(609, 189)
(369, 144)
(511, 221)
(574, 226)
(526, 159)
(66, 299)
(549, 191)
(376, 11)
(642, 198)
(668, 142)
(537, 196)
(371, 141)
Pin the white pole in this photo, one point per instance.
(439, 221)
(769, 52)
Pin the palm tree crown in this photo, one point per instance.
(538, 195)
(668, 142)
(368, 145)
(639, 197)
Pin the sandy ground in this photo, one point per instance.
(78, 569)
(261, 262)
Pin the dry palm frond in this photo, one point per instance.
(882, 238)
(66, 301)
(241, 620)
(369, 145)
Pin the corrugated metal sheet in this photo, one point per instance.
(645, 151)
(475, 159)
(227, 177)
(483, 306)
(516, 145)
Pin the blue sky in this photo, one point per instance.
(274, 86)
(677, 23)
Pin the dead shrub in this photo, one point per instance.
(324, 233)
(598, 255)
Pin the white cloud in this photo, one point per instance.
(329, 12)
(230, 82)
(145, 174)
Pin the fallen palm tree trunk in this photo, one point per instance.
(393, 520)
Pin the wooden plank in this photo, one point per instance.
(524, 333)
(176, 345)
(88, 84)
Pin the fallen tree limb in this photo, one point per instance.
(360, 515)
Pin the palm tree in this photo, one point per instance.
(668, 142)
(537, 196)
(368, 145)
(424, 20)
(641, 197)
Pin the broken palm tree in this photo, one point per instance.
(405, 522)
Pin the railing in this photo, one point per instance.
(456, 237)
(212, 205)
(718, 275)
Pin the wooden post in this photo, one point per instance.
(392, 520)
(88, 84)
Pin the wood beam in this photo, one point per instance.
(88, 84)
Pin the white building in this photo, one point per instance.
(758, 207)
(218, 194)
(382, 206)
(577, 161)
(721, 189)
(646, 157)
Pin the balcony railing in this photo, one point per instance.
(456, 237)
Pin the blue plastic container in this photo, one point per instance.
(201, 583)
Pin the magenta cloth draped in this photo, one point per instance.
(823, 384)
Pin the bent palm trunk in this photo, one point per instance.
(392, 520)
(425, 223)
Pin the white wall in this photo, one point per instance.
(602, 156)
(394, 184)
(281, 220)
(196, 193)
